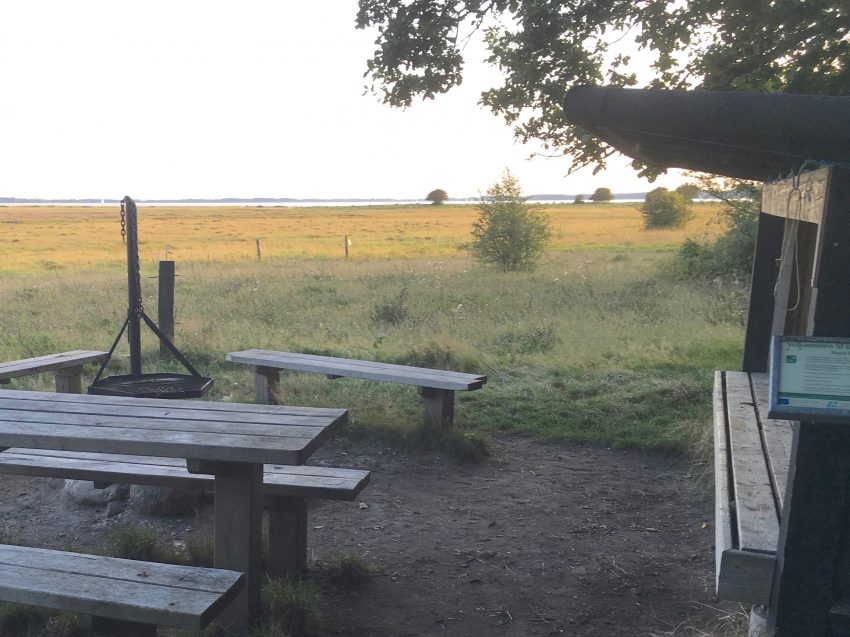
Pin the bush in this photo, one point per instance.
(665, 209)
(579, 199)
(730, 256)
(509, 233)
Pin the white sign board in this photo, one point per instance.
(810, 379)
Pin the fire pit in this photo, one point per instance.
(137, 384)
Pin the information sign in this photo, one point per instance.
(810, 378)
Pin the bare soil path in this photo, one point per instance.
(541, 539)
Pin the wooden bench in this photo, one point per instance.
(287, 489)
(437, 387)
(123, 597)
(67, 367)
(751, 472)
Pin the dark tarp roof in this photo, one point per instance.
(759, 136)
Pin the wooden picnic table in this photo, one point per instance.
(232, 441)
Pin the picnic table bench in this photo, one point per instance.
(437, 387)
(287, 488)
(67, 367)
(121, 597)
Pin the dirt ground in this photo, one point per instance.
(541, 539)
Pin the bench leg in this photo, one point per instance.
(439, 407)
(107, 627)
(267, 384)
(69, 380)
(238, 520)
(287, 536)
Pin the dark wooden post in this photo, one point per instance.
(259, 254)
(165, 309)
(813, 534)
(760, 316)
(345, 245)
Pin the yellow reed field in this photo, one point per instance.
(57, 237)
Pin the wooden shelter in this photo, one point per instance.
(792, 500)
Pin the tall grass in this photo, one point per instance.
(596, 345)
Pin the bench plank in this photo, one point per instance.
(758, 524)
(778, 437)
(160, 594)
(282, 480)
(368, 370)
(50, 362)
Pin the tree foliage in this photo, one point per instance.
(664, 208)
(509, 233)
(543, 47)
(601, 195)
(436, 197)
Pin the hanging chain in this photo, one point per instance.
(140, 308)
(123, 224)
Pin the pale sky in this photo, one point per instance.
(260, 98)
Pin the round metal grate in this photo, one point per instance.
(152, 386)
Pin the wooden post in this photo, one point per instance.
(69, 380)
(439, 408)
(759, 318)
(345, 245)
(266, 384)
(259, 254)
(238, 538)
(165, 308)
(287, 536)
(811, 560)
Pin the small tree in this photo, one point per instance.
(689, 191)
(578, 199)
(663, 208)
(601, 195)
(509, 233)
(437, 197)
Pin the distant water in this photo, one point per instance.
(296, 203)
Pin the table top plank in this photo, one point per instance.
(60, 427)
(108, 418)
(204, 409)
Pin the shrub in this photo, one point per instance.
(663, 208)
(578, 199)
(601, 195)
(392, 310)
(509, 233)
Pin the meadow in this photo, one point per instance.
(599, 344)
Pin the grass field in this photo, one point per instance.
(597, 345)
(51, 238)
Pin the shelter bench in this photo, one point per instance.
(437, 387)
(67, 368)
(121, 597)
(751, 472)
(287, 489)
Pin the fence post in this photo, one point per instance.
(165, 308)
(259, 256)
(346, 243)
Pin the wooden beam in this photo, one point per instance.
(805, 202)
